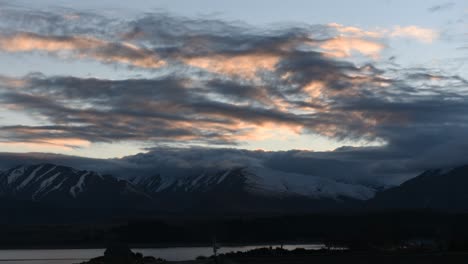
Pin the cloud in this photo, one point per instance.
(81, 47)
(355, 31)
(52, 144)
(310, 94)
(225, 84)
(180, 162)
(371, 166)
(422, 34)
(441, 7)
(213, 110)
(246, 66)
(342, 47)
(159, 41)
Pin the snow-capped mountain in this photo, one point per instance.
(252, 189)
(239, 189)
(257, 181)
(66, 186)
(193, 183)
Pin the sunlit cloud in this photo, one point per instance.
(244, 66)
(426, 35)
(342, 90)
(219, 84)
(57, 144)
(355, 31)
(342, 47)
(81, 47)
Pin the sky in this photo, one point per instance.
(110, 79)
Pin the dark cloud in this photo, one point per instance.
(441, 7)
(226, 83)
(189, 161)
(223, 81)
(370, 166)
(422, 124)
(59, 22)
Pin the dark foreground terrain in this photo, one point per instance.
(377, 237)
(349, 257)
(299, 256)
(359, 231)
(357, 258)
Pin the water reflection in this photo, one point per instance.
(69, 256)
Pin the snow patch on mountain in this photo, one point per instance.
(15, 174)
(29, 178)
(56, 187)
(221, 179)
(44, 184)
(272, 182)
(45, 173)
(78, 187)
(257, 180)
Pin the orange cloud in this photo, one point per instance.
(342, 47)
(265, 130)
(12, 82)
(314, 89)
(355, 31)
(82, 47)
(245, 66)
(426, 35)
(63, 144)
(422, 34)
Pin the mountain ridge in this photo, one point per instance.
(66, 186)
(238, 189)
(235, 189)
(435, 189)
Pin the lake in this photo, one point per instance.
(70, 256)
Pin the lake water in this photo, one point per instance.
(70, 256)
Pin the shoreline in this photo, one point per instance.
(158, 246)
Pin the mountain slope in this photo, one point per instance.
(251, 189)
(258, 181)
(442, 190)
(240, 189)
(65, 186)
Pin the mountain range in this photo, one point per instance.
(235, 190)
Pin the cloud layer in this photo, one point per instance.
(217, 83)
